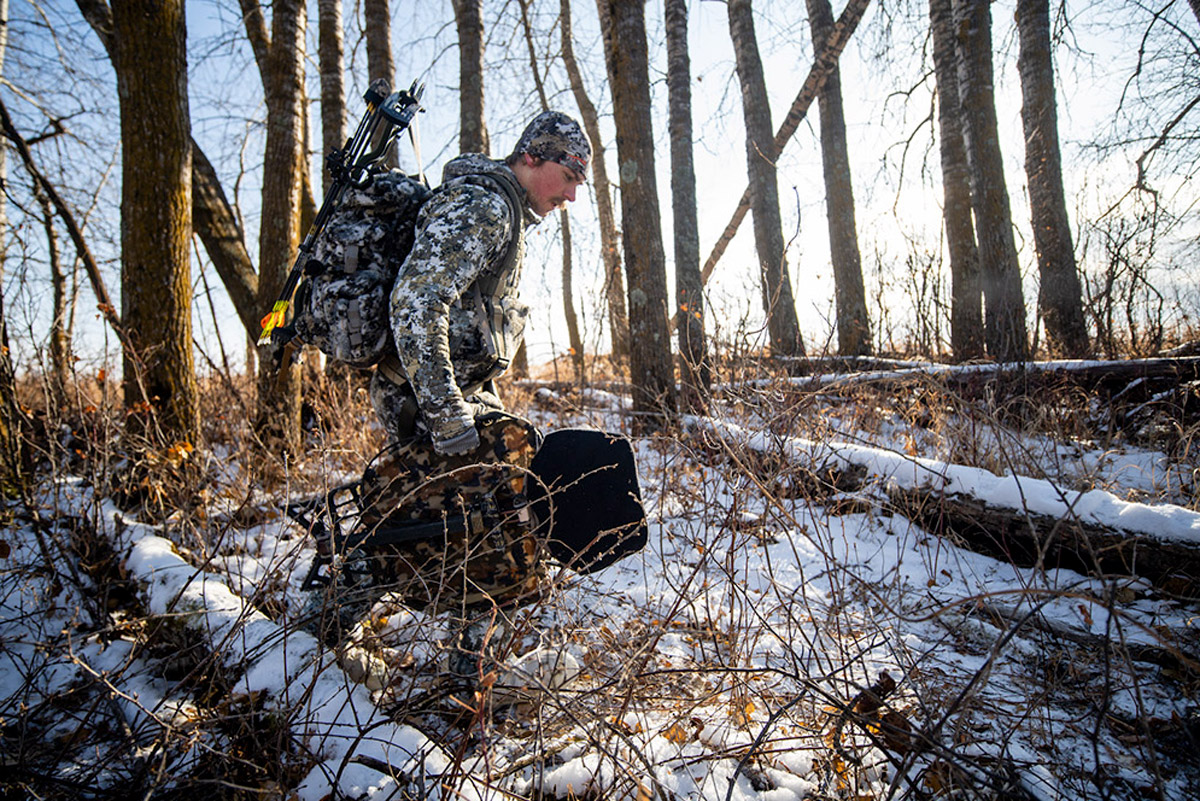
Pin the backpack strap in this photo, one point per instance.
(493, 284)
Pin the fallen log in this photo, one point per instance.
(1140, 378)
(1028, 539)
(1026, 521)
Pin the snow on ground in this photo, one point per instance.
(718, 663)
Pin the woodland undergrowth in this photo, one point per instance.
(766, 652)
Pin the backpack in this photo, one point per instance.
(342, 305)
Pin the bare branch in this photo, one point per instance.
(820, 70)
(85, 254)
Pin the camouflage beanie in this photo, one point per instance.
(554, 136)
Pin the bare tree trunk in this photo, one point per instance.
(778, 303)
(224, 241)
(824, 62)
(696, 372)
(331, 57)
(308, 201)
(650, 338)
(1000, 273)
(472, 132)
(966, 297)
(573, 337)
(610, 240)
(574, 340)
(377, 21)
(280, 57)
(1060, 300)
(212, 215)
(333, 88)
(13, 450)
(853, 325)
(60, 337)
(156, 216)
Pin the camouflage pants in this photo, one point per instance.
(473, 542)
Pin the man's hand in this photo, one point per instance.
(458, 444)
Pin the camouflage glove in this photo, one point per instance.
(458, 444)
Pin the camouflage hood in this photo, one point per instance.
(478, 164)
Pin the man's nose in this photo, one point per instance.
(570, 193)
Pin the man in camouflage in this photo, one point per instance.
(456, 458)
(449, 343)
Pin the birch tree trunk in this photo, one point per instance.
(650, 366)
(472, 132)
(1060, 300)
(966, 297)
(1000, 273)
(156, 218)
(696, 372)
(610, 239)
(853, 325)
(280, 57)
(778, 303)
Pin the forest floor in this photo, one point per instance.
(892, 585)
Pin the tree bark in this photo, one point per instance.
(573, 338)
(696, 372)
(280, 56)
(377, 21)
(215, 221)
(333, 88)
(14, 450)
(610, 239)
(966, 295)
(1001, 275)
(60, 337)
(853, 325)
(626, 54)
(1060, 300)
(846, 25)
(472, 132)
(778, 303)
(156, 217)
(213, 217)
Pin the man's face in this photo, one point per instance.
(549, 184)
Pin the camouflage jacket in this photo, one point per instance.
(462, 231)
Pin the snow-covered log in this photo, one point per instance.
(1093, 374)
(1024, 520)
(328, 713)
(1065, 540)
